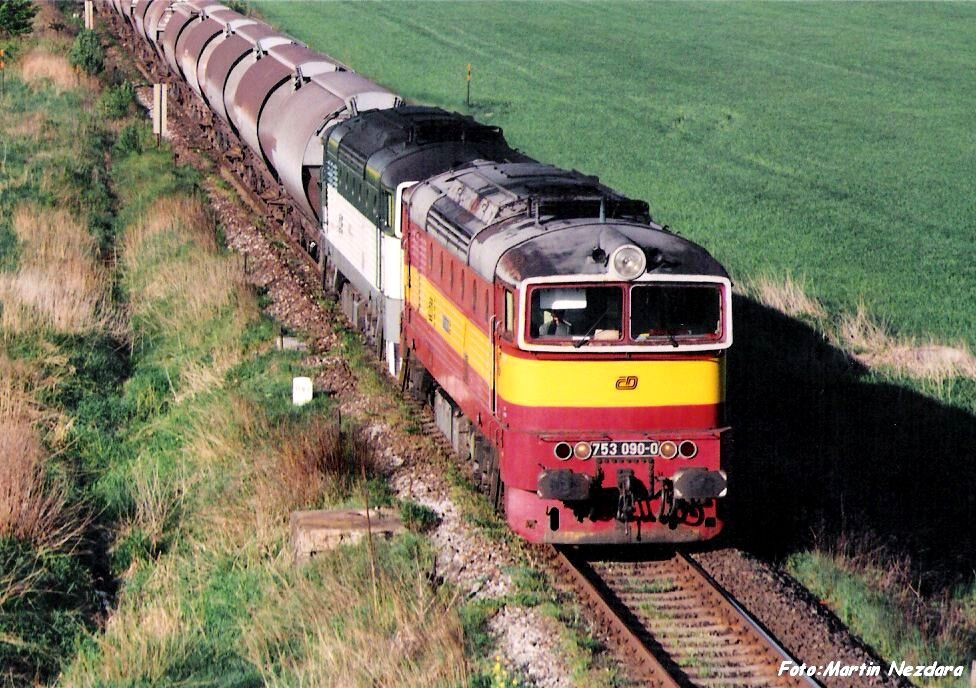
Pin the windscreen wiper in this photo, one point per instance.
(589, 333)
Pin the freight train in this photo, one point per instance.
(573, 349)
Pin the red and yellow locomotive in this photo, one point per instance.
(576, 350)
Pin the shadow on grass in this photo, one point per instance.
(823, 448)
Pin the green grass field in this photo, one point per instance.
(831, 142)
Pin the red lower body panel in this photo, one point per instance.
(553, 521)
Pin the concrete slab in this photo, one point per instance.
(285, 343)
(318, 531)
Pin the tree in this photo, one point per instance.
(16, 17)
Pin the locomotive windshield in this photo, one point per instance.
(675, 312)
(568, 313)
(660, 312)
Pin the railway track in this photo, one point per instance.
(675, 625)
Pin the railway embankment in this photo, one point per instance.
(63, 354)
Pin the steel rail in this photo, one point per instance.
(729, 632)
(644, 661)
(771, 645)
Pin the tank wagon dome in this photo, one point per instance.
(228, 25)
(414, 142)
(235, 91)
(192, 39)
(175, 31)
(197, 37)
(526, 220)
(292, 68)
(181, 15)
(240, 37)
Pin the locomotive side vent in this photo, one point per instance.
(443, 228)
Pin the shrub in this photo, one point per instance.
(133, 138)
(87, 52)
(117, 101)
(16, 17)
(239, 6)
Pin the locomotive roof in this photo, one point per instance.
(412, 142)
(528, 219)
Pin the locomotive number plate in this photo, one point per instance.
(628, 449)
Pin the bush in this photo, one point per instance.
(239, 6)
(134, 138)
(117, 101)
(16, 17)
(87, 53)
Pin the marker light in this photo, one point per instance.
(563, 451)
(583, 451)
(628, 262)
(687, 449)
(668, 449)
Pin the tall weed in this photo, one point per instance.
(59, 285)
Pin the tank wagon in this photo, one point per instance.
(572, 348)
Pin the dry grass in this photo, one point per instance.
(787, 296)
(871, 344)
(894, 600)
(32, 507)
(158, 502)
(40, 67)
(276, 470)
(184, 215)
(196, 286)
(221, 446)
(863, 336)
(307, 463)
(329, 635)
(143, 638)
(34, 126)
(59, 284)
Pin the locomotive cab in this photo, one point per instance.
(613, 391)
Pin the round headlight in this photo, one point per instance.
(668, 449)
(583, 451)
(563, 451)
(628, 262)
(687, 449)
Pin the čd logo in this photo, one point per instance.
(626, 382)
